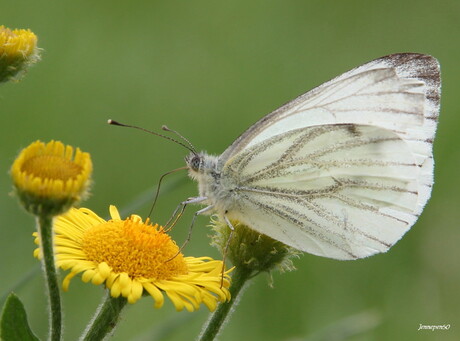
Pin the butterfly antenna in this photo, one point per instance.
(189, 146)
(192, 148)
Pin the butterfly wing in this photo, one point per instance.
(399, 92)
(344, 170)
(342, 191)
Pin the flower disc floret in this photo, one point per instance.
(139, 249)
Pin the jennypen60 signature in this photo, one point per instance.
(434, 327)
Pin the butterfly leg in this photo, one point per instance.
(175, 217)
(203, 210)
(173, 220)
(189, 236)
(194, 200)
(227, 244)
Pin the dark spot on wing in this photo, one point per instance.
(353, 130)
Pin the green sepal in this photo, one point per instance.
(13, 324)
(251, 250)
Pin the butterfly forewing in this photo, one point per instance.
(406, 86)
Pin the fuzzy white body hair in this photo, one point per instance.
(217, 192)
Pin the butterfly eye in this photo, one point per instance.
(195, 163)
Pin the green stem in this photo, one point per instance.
(105, 319)
(45, 223)
(224, 310)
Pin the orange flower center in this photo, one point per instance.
(139, 249)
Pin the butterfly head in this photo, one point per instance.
(194, 161)
(200, 164)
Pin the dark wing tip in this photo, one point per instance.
(424, 67)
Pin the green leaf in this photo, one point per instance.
(14, 325)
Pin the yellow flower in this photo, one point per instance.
(18, 49)
(133, 258)
(17, 42)
(51, 177)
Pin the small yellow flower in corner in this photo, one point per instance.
(133, 258)
(18, 50)
(49, 178)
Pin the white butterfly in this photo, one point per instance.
(342, 171)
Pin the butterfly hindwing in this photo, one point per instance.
(342, 191)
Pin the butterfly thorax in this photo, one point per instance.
(205, 169)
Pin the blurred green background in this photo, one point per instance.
(209, 69)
